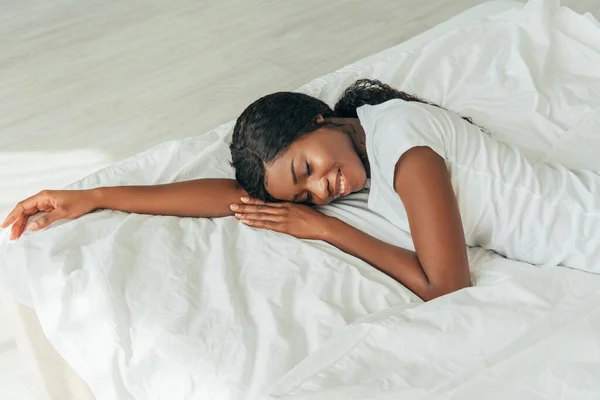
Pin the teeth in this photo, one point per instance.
(342, 185)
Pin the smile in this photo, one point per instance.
(342, 186)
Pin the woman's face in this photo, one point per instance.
(317, 168)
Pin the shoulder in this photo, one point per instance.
(402, 115)
(391, 108)
(399, 107)
(395, 128)
(397, 125)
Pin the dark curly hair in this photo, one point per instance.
(269, 126)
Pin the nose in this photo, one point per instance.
(320, 187)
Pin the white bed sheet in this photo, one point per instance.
(160, 307)
(57, 378)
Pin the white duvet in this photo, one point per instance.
(148, 307)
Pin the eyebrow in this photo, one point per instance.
(294, 177)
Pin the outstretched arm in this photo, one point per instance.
(196, 198)
(207, 198)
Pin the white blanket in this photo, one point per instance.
(151, 307)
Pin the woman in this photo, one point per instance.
(431, 172)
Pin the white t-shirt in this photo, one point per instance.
(539, 213)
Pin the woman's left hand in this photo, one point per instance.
(298, 220)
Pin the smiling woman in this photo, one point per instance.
(292, 148)
(432, 173)
(287, 148)
(271, 143)
(320, 167)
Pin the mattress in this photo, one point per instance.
(160, 307)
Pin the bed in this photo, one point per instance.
(147, 307)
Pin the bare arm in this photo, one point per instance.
(196, 198)
(423, 182)
(401, 264)
(439, 265)
(207, 198)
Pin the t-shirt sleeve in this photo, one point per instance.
(401, 127)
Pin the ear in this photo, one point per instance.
(320, 119)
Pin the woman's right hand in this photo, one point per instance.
(58, 204)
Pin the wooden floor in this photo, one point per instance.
(81, 78)
(84, 80)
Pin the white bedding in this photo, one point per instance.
(151, 307)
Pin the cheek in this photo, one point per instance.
(350, 159)
(339, 152)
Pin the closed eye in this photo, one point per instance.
(308, 196)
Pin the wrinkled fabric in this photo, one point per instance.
(152, 307)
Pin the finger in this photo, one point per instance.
(260, 224)
(45, 220)
(18, 227)
(248, 200)
(258, 217)
(13, 216)
(255, 209)
(29, 206)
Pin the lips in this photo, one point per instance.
(342, 187)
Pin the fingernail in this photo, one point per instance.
(238, 215)
(32, 226)
(234, 207)
(245, 199)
